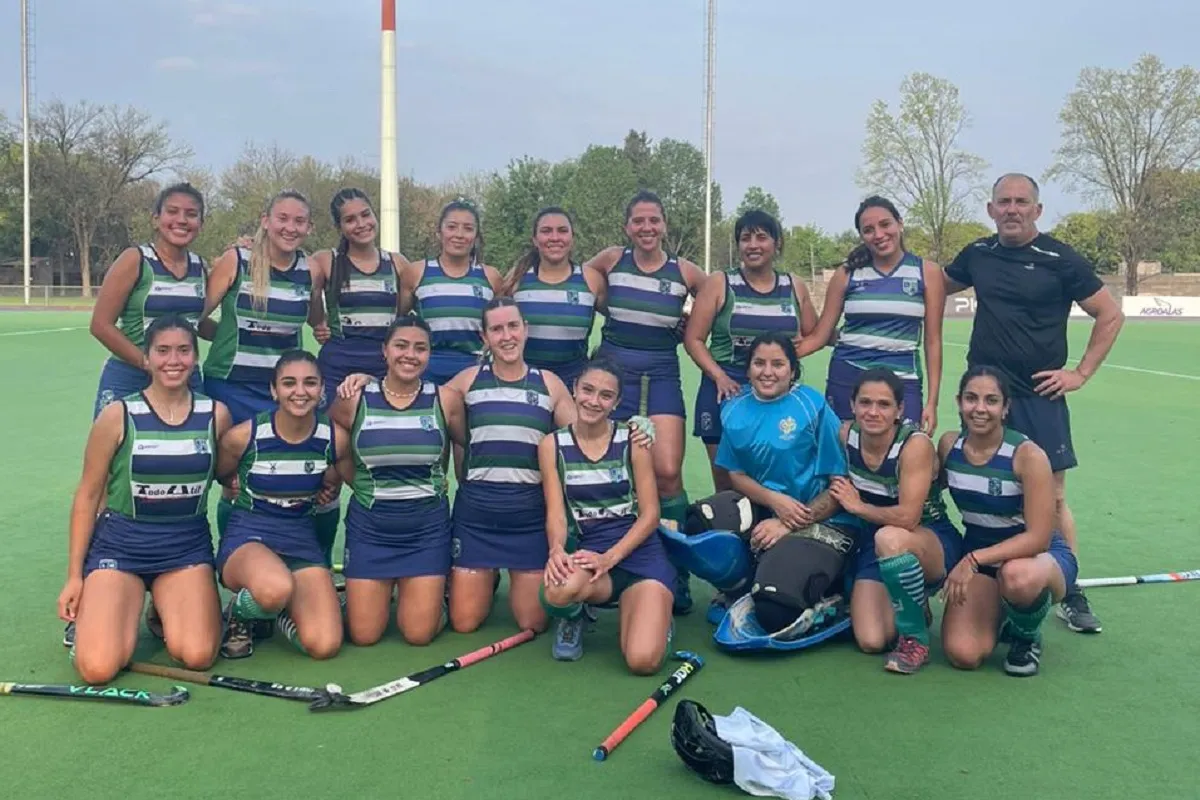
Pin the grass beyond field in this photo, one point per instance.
(1111, 716)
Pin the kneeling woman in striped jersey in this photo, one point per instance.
(499, 511)
(1016, 564)
(593, 473)
(148, 465)
(909, 544)
(270, 556)
(398, 520)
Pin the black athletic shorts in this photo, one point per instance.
(1048, 423)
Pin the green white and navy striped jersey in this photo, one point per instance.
(279, 478)
(883, 318)
(162, 472)
(990, 497)
(881, 487)
(748, 313)
(597, 490)
(398, 452)
(453, 307)
(506, 420)
(559, 316)
(250, 340)
(644, 310)
(367, 304)
(157, 293)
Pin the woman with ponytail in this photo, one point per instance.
(449, 292)
(557, 297)
(891, 299)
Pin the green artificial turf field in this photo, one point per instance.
(1111, 716)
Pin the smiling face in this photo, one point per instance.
(757, 249)
(287, 224)
(357, 222)
(596, 394)
(407, 353)
(646, 226)
(553, 238)
(180, 220)
(982, 405)
(297, 388)
(458, 233)
(880, 232)
(172, 357)
(504, 334)
(876, 409)
(770, 371)
(1015, 209)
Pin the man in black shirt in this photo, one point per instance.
(1025, 282)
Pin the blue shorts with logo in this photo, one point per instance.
(707, 426)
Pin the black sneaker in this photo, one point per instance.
(69, 635)
(1075, 611)
(1023, 658)
(238, 638)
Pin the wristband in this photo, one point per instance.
(974, 562)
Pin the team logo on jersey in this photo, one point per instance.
(309, 467)
(477, 291)
(427, 423)
(994, 487)
(788, 308)
(201, 446)
(787, 427)
(531, 397)
(572, 297)
(389, 285)
(616, 475)
(664, 286)
(299, 291)
(909, 286)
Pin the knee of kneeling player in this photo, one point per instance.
(322, 645)
(1021, 581)
(644, 661)
(871, 641)
(196, 655)
(95, 669)
(669, 481)
(962, 655)
(275, 593)
(562, 597)
(891, 540)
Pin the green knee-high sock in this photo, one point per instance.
(559, 612)
(905, 583)
(287, 625)
(327, 519)
(224, 510)
(674, 509)
(245, 607)
(1026, 623)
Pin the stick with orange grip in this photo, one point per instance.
(692, 664)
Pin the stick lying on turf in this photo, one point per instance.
(265, 688)
(111, 694)
(692, 665)
(1131, 580)
(333, 698)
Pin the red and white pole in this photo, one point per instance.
(389, 184)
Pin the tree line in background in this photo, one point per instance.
(1130, 142)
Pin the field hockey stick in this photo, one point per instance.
(333, 698)
(111, 694)
(265, 688)
(692, 664)
(1131, 580)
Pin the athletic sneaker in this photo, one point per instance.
(908, 656)
(69, 635)
(1023, 658)
(154, 622)
(238, 640)
(716, 610)
(683, 594)
(1077, 613)
(568, 639)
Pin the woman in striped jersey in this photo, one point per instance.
(357, 282)
(557, 298)
(270, 556)
(1015, 563)
(891, 300)
(499, 511)
(908, 544)
(450, 291)
(602, 522)
(647, 291)
(398, 520)
(733, 308)
(148, 466)
(144, 283)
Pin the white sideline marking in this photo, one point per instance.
(44, 330)
(1107, 365)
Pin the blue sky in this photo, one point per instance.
(484, 81)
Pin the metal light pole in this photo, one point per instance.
(26, 231)
(389, 182)
(708, 131)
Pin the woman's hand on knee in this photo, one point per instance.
(558, 568)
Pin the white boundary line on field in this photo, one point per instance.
(1107, 365)
(44, 330)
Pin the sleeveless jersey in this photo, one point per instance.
(453, 307)
(162, 472)
(881, 487)
(279, 478)
(506, 421)
(158, 293)
(559, 316)
(367, 304)
(644, 310)
(398, 453)
(883, 318)
(250, 340)
(990, 497)
(748, 313)
(597, 491)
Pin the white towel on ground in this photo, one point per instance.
(767, 765)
